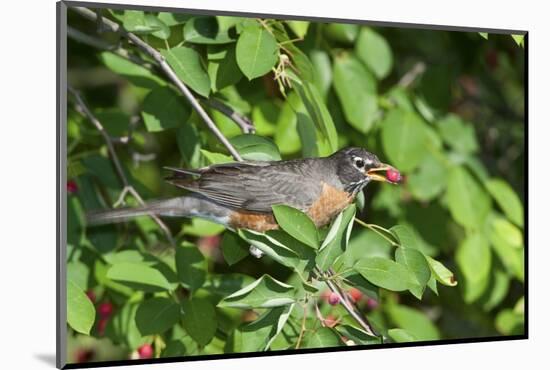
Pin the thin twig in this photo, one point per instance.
(243, 122)
(101, 44)
(83, 109)
(172, 76)
(303, 327)
(409, 77)
(334, 287)
(376, 229)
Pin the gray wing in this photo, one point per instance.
(257, 186)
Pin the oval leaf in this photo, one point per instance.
(441, 273)
(265, 292)
(474, 259)
(256, 52)
(375, 52)
(356, 90)
(468, 202)
(415, 261)
(191, 266)
(80, 310)
(187, 65)
(384, 273)
(156, 315)
(256, 148)
(404, 139)
(205, 30)
(297, 224)
(139, 276)
(163, 109)
(199, 320)
(506, 199)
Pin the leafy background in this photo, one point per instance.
(446, 108)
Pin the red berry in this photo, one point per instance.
(84, 355)
(72, 187)
(355, 294)
(145, 351)
(333, 299)
(91, 295)
(372, 303)
(393, 175)
(105, 309)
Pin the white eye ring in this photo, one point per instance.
(359, 162)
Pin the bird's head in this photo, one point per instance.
(356, 167)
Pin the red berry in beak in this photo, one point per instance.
(393, 175)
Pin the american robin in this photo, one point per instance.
(240, 195)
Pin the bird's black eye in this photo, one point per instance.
(359, 163)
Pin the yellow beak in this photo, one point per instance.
(374, 175)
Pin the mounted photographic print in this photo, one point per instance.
(250, 184)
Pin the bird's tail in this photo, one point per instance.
(186, 206)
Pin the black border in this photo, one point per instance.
(61, 12)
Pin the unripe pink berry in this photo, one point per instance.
(355, 294)
(145, 351)
(333, 299)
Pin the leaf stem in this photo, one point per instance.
(376, 229)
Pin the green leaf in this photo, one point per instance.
(458, 134)
(285, 135)
(216, 158)
(401, 336)
(191, 266)
(485, 35)
(223, 71)
(233, 249)
(78, 273)
(468, 202)
(265, 115)
(335, 243)
(199, 320)
(173, 19)
(318, 111)
(139, 276)
(384, 273)
(322, 71)
(415, 261)
(441, 273)
(163, 31)
(163, 109)
(136, 21)
(187, 65)
(260, 334)
(157, 315)
(205, 30)
(506, 199)
(298, 27)
(189, 144)
(413, 321)
(256, 52)
(122, 327)
(500, 283)
(359, 336)
(474, 259)
(518, 39)
(509, 322)
(507, 232)
(404, 139)
(297, 224)
(375, 52)
(265, 292)
(511, 256)
(136, 74)
(308, 135)
(429, 180)
(356, 90)
(256, 148)
(80, 310)
(322, 338)
(341, 32)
